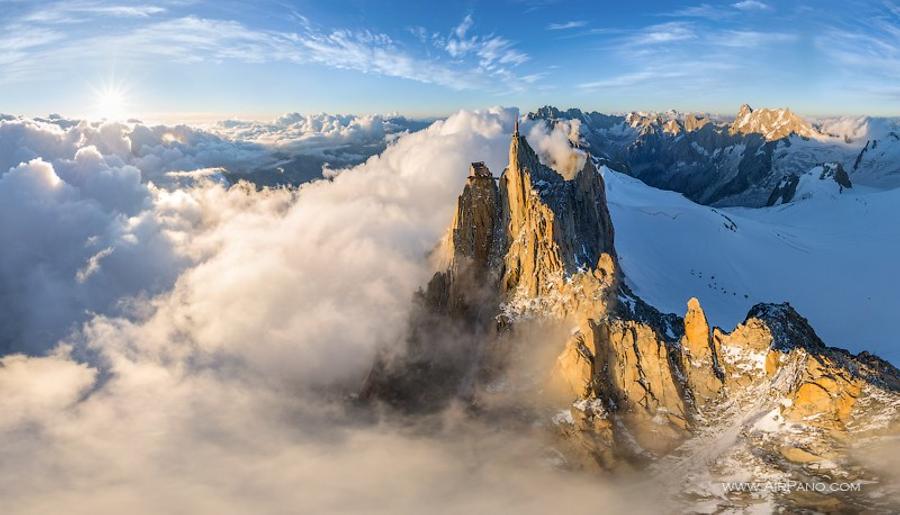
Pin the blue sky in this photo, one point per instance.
(190, 59)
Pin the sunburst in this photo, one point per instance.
(112, 101)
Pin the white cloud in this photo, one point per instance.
(496, 55)
(109, 233)
(752, 5)
(81, 11)
(76, 237)
(567, 25)
(191, 38)
(870, 48)
(750, 38)
(702, 11)
(664, 33)
(38, 389)
(464, 26)
(688, 56)
(317, 133)
(554, 145)
(93, 265)
(621, 81)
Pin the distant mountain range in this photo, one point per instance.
(738, 162)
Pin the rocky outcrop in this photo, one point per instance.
(825, 178)
(784, 191)
(626, 386)
(471, 250)
(772, 124)
(699, 357)
(836, 172)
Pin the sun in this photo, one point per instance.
(111, 101)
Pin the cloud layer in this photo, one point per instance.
(93, 212)
(208, 328)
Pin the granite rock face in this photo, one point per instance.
(625, 386)
(772, 124)
(554, 226)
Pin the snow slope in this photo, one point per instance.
(833, 257)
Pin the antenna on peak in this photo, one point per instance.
(516, 131)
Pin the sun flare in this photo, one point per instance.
(111, 102)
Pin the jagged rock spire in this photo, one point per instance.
(634, 384)
(516, 131)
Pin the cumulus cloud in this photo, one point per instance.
(221, 389)
(851, 128)
(318, 133)
(555, 145)
(39, 388)
(87, 208)
(76, 238)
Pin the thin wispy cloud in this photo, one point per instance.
(719, 12)
(686, 55)
(752, 5)
(665, 33)
(623, 81)
(702, 11)
(684, 75)
(592, 31)
(750, 38)
(472, 59)
(75, 12)
(567, 25)
(869, 48)
(496, 55)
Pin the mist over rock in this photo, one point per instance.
(529, 318)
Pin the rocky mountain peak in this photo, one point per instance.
(554, 225)
(533, 267)
(772, 124)
(670, 122)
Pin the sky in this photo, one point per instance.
(184, 60)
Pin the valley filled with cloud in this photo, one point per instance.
(171, 342)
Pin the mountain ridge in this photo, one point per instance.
(733, 162)
(627, 386)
